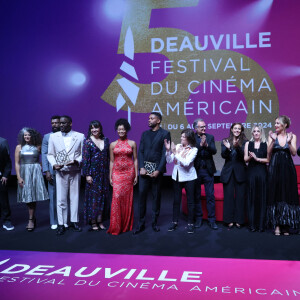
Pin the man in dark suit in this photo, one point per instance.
(206, 168)
(5, 169)
(152, 165)
(50, 173)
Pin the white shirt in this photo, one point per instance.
(67, 136)
(183, 163)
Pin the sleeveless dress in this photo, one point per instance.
(123, 173)
(257, 188)
(96, 165)
(283, 202)
(34, 188)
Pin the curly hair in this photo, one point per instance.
(123, 122)
(190, 136)
(242, 137)
(35, 137)
(96, 124)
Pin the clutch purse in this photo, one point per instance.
(150, 166)
(62, 157)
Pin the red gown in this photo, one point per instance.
(123, 173)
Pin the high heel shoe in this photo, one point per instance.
(30, 229)
(230, 225)
(277, 231)
(94, 227)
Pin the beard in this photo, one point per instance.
(55, 129)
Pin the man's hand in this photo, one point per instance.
(49, 176)
(143, 171)
(154, 174)
(58, 167)
(73, 163)
(3, 180)
(203, 142)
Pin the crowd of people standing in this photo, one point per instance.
(259, 177)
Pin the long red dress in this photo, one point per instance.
(123, 173)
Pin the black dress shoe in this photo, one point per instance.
(155, 227)
(60, 230)
(198, 223)
(75, 227)
(172, 226)
(213, 225)
(139, 230)
(238, 226)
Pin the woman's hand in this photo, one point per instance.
(21, 182)
(236, 143)
(253, 155)
(272, 135)
(289, 137)
(167, 145)
(135, 181)
(89, 179)
(226, 143)
(111, 181)
(173, 148)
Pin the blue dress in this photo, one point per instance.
(96, 165)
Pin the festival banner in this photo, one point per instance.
(221, 60)
(42, 275)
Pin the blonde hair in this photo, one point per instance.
(262, 133)
(284, 120)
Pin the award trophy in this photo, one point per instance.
(62, 158)
(149, 166)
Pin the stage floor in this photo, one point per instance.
(220, 264)
(221, 243)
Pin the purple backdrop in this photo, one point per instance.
(60, 57)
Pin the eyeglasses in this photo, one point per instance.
(200, 127)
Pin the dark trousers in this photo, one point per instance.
(4, 203)
(234, 201)
(205, 178)
(145, 183)
(190, 190)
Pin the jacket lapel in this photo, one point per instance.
(73, 141)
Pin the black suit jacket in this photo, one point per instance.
(153, 150)
(206, 154)
(5, 161)
(233, 164)
(298, 151)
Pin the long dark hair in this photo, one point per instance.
(35, 137)
(190, 136)
(96, 124)
(242, 136)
